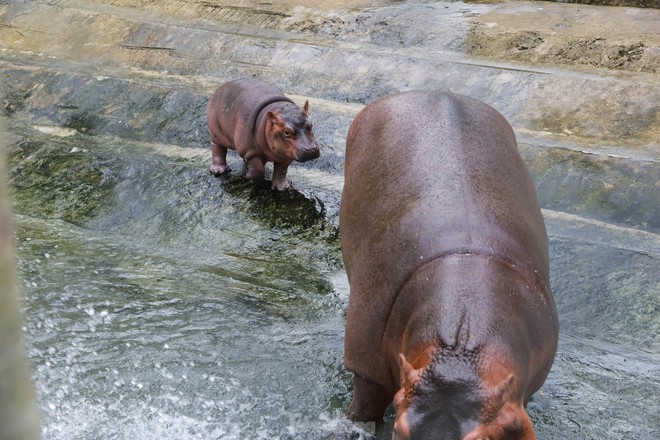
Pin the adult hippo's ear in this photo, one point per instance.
(503, 417)
(503, 391)
(408, 377)
(512, 423)
(306, 108)
(408, 374)
(495, 397)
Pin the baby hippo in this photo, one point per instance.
(262, 125)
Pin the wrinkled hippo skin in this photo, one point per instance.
(262, 125)
(450, 313)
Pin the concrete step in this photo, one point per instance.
(616, 184)
(344, 64)
(604, 277)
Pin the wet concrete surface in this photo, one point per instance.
(622, 39)
(105, 107)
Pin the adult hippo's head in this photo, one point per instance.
(289, 133)
(448, 401)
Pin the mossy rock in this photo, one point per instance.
(56, 180)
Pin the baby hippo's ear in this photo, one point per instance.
(275, 119)
(306, 108)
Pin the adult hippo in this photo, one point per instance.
(450, 312)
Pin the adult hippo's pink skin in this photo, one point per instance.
(450, 312)
(262, 125)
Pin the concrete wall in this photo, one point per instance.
(19, 418)
(632, 3)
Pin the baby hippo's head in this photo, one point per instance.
(290, 133)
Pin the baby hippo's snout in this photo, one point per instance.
(308, 152)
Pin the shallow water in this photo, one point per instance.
(165, 303)
(189, 308)
(129, 344)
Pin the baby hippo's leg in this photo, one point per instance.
(280, 182)
(256, 169)
(218, 160)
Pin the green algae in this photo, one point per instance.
(52, 179)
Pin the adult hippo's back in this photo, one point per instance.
(450, 310)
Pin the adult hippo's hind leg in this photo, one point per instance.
(370, 400)
(218, 160)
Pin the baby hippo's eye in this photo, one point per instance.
(287, 132)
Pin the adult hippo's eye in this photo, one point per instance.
(287, 133)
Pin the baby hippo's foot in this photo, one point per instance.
(281, 185)
(218, 170)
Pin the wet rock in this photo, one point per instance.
(139, 112)
(104, 187)
(59, 181)
(625, 311)
(369, 69)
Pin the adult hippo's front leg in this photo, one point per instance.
(370, 400)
